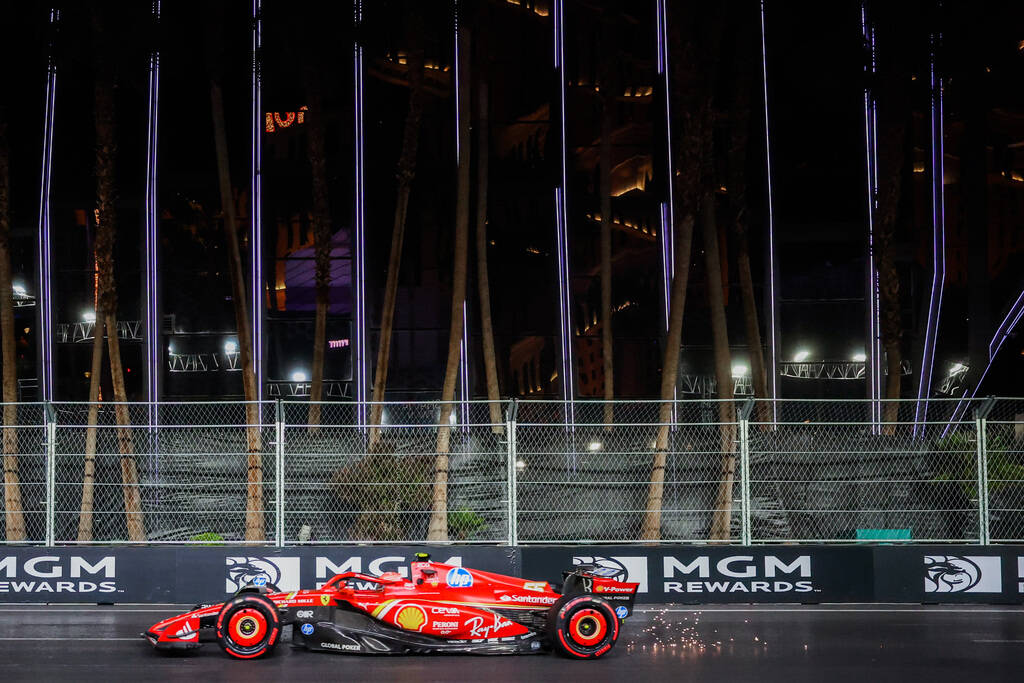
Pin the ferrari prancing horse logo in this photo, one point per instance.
(325, 600)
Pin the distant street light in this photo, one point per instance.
(957, 367)
(594, 446)
(859, 357)
(298, 376)
(739, 370)
(801, 356)
(18, 288)
(230, 347)
(89, 316)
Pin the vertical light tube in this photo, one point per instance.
(359, 373)
(256, 210)
(667, 209)
(924, 385)
(668, 221)
(44, 302)
(772, 366)
(152, 334)
(1010, 321)
(464, 342)
(874, 355)
(561, 229)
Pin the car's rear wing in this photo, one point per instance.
(604, 582)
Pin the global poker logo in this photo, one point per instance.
(962, 574)
(279, 572)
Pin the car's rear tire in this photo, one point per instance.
(582, 626)
(249, 626)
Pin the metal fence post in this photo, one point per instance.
(510, 435)
(744, 427)
(279, 471)
(980, 427)
(50, 418)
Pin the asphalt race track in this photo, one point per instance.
(826, 643)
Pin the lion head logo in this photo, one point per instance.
(950, 574)
(411, 618)
(259, 571)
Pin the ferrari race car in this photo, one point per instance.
(441, 608)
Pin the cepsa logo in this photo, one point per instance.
(326, 567)
(23, 575)
(739, 574)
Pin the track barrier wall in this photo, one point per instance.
(677, 574)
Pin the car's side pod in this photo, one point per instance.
(591, 579)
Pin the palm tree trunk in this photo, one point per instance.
(322, 241)
(85, 520)
(106, 236)
(405, 174)
(126, 447)
(14, 516)
(722, 514)
(651, 530)
(607, 351)
(255, 524)
(438, 529)
(738, 205)
(891, 158)
(486, 325)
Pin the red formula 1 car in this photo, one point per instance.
(443, 608)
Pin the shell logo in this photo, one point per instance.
(411, 618)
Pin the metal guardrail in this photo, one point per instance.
(787, 471)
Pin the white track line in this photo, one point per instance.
(90, 639)
(95, 610)
(935, 610)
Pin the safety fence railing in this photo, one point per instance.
(509, 472)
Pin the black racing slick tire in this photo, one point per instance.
(249, 626)
(582, 626)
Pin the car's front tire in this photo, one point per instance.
(582, 626)
(249, 626)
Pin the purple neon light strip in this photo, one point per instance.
(870, 120)
(464, 342)
(359, 372)
(938, 255)
(1004, 330)
(667, 207)
(45, 298)
(561, 226)
(772, 294)
(257, 210)
(153, 355)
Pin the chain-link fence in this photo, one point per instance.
(184, 472)
(646, 470)
(351, 483)
(828, 471)
(516, 472)
(1003, 431)
(25, 474)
